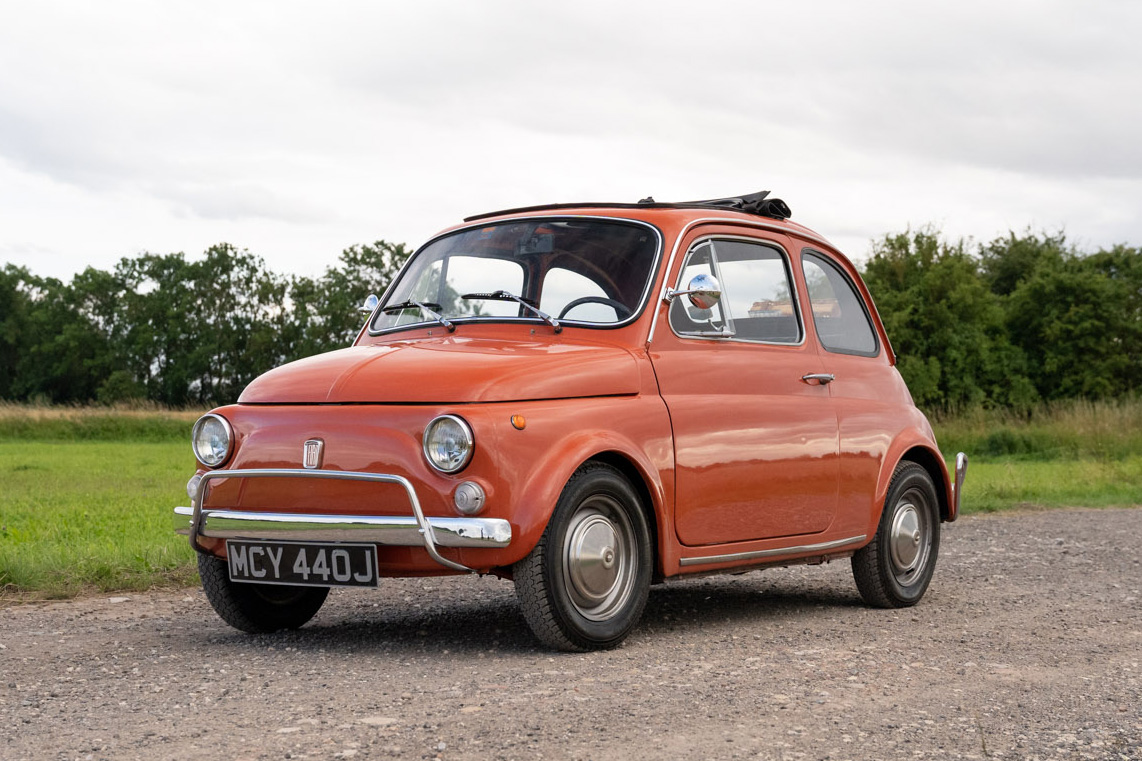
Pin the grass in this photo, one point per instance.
(1064, 431)
(129, 423)
(81, 516)
(86, 494)
(1010, 483)
(1063, 455)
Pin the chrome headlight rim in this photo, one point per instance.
(470, 443)
(199, 425)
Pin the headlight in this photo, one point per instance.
(448, 443)
(211, 440)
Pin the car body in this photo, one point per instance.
(586, 399)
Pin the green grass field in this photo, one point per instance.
(86, 495)
(87, 516)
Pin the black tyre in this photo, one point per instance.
(894, 569)
(584, 585)
(257, 608)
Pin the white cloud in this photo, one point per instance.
(294, 129)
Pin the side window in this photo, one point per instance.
(757, 295)
(843, 323)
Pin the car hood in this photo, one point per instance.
(450, 370)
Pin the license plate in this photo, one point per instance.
(312, 564)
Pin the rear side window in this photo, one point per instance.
(842, 321)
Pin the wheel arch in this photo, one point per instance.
(647, 503)
(645, 462)
(933, 463)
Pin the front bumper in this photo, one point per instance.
(393, 530)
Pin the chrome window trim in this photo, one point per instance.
(758, 224)
(786, 259)
(634, 316)
(762, 554)
(229, 440)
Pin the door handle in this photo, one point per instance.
(821, 378)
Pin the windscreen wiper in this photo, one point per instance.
(505, 296)
(427, 308)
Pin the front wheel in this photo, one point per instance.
(585, 584)
(257, 608)
(894, 569)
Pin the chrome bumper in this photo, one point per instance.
(414, 530)
(958, 484)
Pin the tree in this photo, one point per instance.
(325, 313)
(946, 326)
(1008, 261)
(1079, 321)
(14, 306)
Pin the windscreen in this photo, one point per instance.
(580, 271)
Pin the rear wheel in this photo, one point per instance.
(894, 569)
(257, 608)
(585, 584)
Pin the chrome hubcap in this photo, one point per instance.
(909, 540)
(598, 556)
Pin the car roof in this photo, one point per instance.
(757, 204)
(759, 207)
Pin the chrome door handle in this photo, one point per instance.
(821, 378)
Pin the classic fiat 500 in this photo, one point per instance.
(585, 399)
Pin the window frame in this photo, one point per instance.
(794, 291)
(652, 278)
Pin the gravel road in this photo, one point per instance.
(1027, 645)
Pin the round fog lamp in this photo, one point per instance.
(211, 440)
(448, 443)
(469, 498)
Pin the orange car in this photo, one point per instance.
(586, 399)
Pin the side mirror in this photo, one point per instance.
(703, 291)
(370, 304)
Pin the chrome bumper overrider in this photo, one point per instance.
(414, 530)
(958, 485)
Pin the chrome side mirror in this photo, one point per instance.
(704, 291)
(370, 304)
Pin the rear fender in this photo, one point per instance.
(913, 446)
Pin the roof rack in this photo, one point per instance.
(758, 204)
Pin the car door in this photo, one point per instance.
(862, 390)
(755, 435)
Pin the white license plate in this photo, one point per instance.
(313, 564)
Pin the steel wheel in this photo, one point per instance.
(584, 585)
(599, 557)
(910, 538)
(894, 569)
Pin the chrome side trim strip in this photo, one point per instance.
(761, 554)
(423, 526)
(391, 530)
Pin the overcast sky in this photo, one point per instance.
(297, 129)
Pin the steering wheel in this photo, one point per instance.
(622, 311)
